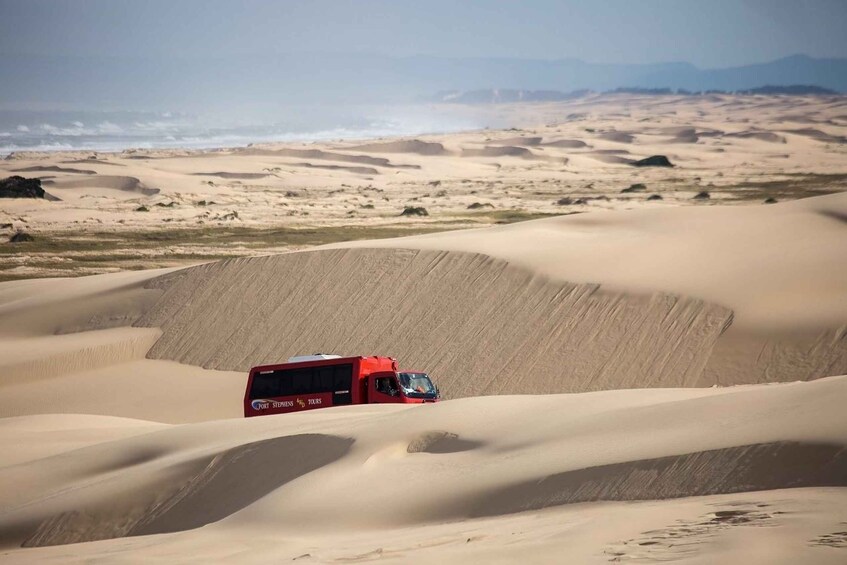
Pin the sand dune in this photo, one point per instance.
(444, 311)
(566, 143)
(768, 136)
(355, 170)
(30, 438)
(683, 251)
(225, 175)
(734, 170)
(818, 135)
(685, 135)
(617, 136)
(92, 161)
(324, 155)
(49, 356)
(183, 477)
(136, 387)
(55, 169)
(51, 307)
(765, 466)
(531, 141)
(610, 158)
(110, 182)
(121, 394)
(500, 151)
(205, 492)
(404, 146)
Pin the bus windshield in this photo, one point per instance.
(417, 385)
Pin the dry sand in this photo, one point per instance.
(233, 202)
(120, 394)
(457, 481)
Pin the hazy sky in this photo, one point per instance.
(708, 33)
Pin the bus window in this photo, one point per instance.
(342, 389)
(264, 386)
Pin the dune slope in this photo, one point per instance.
(362, 468)
(481, 325)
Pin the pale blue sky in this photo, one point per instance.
(707, 33)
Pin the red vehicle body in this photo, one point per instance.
(322, 381)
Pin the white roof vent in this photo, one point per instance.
(312, 357)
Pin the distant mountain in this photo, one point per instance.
(501, 96)
(271, 81)
(791, 89)
(505, 96)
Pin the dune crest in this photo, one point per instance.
(404, 146)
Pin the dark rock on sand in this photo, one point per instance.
(702, 196)
(653, 161)
(20, 187)
(21, 237)
(638, 187)
(414, 211)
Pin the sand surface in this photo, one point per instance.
(645, 381)
(150, 208)
(460, 480)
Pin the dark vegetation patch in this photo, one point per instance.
(791, 187)
(638, 187)
(21, 237)
(414, 211)
(80, 254)
(226, 175)
(511, 216)
(834, 539)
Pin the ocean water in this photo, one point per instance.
(119, 130)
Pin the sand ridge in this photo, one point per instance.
(180, 468)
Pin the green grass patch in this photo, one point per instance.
(510, 216)
(73, 254)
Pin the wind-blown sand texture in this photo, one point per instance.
(618, 384)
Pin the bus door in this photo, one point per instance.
(383, 388)
(339, 380)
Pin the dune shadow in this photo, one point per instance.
(765, 466)
(229, 482)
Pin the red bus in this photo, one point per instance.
(307, 382)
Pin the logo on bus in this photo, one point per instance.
(264, 404)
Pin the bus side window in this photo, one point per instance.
(324, 379)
